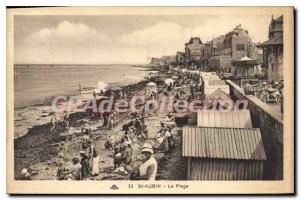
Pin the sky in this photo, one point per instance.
(119, 39)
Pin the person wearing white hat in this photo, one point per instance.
(25, 175)
(276, 84)
(148, 169)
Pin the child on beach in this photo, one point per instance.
(85, 166)
(60, 172)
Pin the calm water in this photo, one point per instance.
(34, 84)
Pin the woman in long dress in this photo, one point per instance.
(94, 160)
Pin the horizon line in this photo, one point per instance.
(82, 64)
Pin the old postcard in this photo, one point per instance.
(150, 100)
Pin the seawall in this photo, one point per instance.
(270, 123)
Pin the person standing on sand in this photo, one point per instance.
(111, 121)
(145, 132)
(105, 118)
(127, 153)
(138, 126)
(66, 119)
(85, 166)
(53, 121)
(94, 158)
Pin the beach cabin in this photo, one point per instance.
(223, 153)
(150, 88)
(211, 86)
(209, 76)
(217, 98)
(229, 119)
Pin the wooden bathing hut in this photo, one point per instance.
(223, 153)
(212, 85)
(228, 119)
(217, 98)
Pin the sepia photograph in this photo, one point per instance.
(150, 100)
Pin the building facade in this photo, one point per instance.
(235, 46)
(180, 58)
(218, 54)
(273, 50)
(194, 50)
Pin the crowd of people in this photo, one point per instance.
(269, 92)
(85, 166)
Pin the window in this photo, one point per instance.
(240, 47)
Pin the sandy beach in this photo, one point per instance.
(42, 157)
(40, 149)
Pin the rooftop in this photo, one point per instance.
(222, 143)
(229, 119)
(277, 40)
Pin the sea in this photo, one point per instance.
(36, 85)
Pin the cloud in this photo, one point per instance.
(165, 38)
(66, 33)
(66, 43)
(70, 42)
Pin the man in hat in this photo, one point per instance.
(148, 169)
